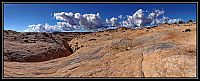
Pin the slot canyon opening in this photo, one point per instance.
(70, 49)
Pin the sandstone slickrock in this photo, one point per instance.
(36, 47)
(163, 51)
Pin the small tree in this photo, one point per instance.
(136, 25)
(180, 22)
(190, 20)
(165, 23)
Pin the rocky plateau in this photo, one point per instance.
(163, 51)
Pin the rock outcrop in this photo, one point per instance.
(36, 47)
(163, 51)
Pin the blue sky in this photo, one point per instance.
(18, 16)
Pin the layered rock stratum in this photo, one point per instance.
(163, 51)
(36, 47)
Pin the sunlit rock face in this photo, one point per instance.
(122, 52)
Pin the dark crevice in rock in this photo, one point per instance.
(73, 68)
(142, 72)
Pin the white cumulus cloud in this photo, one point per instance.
(120, 17)
(112, 22)
(69, 21)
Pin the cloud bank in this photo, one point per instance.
(68, 21)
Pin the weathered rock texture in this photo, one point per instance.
(163, 51)
(36, 47)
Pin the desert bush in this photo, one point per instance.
(181, 22)
(190, 20)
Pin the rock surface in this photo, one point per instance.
(163, 51)
(36, 47)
